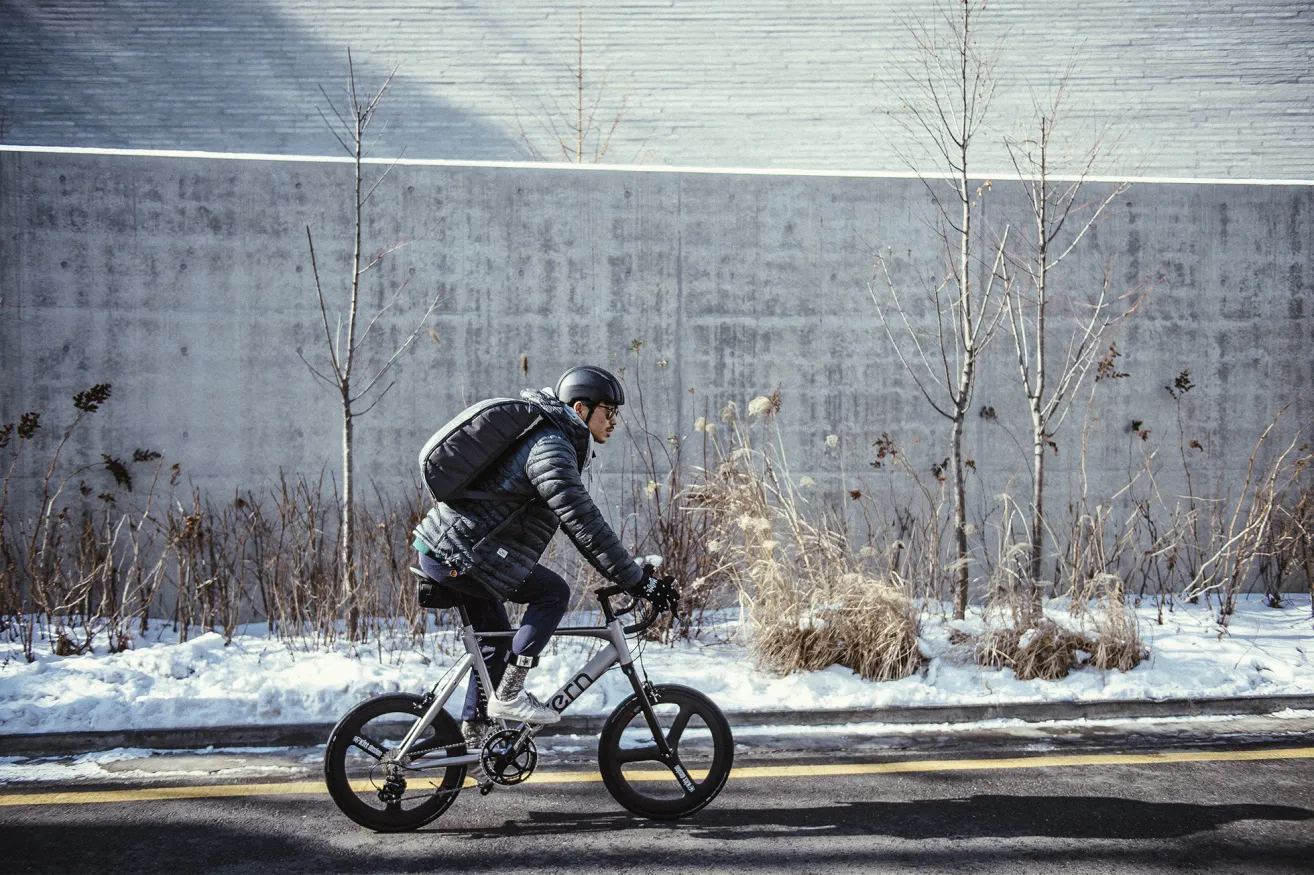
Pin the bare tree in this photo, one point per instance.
(579, 129)
(352, 386)
(1056, 350)
(945, 97)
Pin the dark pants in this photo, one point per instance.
(545, 596)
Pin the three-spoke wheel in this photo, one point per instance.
(666, 785)
(370, 786)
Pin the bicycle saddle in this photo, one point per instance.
(435, 593)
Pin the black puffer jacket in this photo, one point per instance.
(544, 469)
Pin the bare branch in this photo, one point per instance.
(346, 126)
(885, 322)
(382, 311)
(372, 404)
(419, 326)
(379, 181)
(323, 310)
(384, 253)
(351, 89)
(1090, 223)
(576, 132)
(997, 272)
(336, 136)
(314, 372)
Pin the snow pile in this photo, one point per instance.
(258, 680)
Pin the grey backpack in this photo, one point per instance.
(471, 442)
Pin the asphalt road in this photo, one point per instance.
(1245, 807)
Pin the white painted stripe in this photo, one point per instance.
(559, 166)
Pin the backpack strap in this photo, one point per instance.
(503, 524)
(480, 495)
(484, 496)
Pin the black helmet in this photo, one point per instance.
(591, 384)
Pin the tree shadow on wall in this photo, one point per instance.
(224, 77)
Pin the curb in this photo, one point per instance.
(38, 744)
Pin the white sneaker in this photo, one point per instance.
(524, 707)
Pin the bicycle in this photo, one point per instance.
(397, 761)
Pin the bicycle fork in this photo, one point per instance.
(647, 699)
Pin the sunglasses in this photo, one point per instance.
(612, 413)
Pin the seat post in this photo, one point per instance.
(465, 617)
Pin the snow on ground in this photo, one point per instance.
(257, 679)
(216, 763)
(118, 764)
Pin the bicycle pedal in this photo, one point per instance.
(486, 787)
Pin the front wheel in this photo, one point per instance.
(373, 790)
(701, 751)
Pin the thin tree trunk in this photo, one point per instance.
(348, 471)
(1037, 503)
(348, 546)
(961, 577)
(1039, 420)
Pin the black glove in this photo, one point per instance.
(660, 591)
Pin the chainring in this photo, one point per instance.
(503, 763)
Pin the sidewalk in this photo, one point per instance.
(310, 734)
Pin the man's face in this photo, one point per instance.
(602, 422)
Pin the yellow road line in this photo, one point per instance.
(1036, 762)
(301, 788)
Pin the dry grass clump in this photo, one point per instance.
(1049, 652)
(1046, 651)
(799, 578)
(1043, 649)
(878, 630)
(872, 629)
(996, 648)
(785, 649)
(1115, 640)
(1037, 647)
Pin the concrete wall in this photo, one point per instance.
(186, 284)
(1205, 89)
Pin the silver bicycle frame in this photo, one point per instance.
(616, 651)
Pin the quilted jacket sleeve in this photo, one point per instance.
(553, 469)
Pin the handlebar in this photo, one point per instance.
(607, 593)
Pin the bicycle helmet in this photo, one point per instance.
(590, 384)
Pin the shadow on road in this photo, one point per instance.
(986, 816)
(305, 835)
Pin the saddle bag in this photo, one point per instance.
(433, 594)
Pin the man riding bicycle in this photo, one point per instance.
(488, 550)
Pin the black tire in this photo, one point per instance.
(354, 774)
(632, 769)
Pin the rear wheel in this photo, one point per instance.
(373, 790)
(641, 779)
